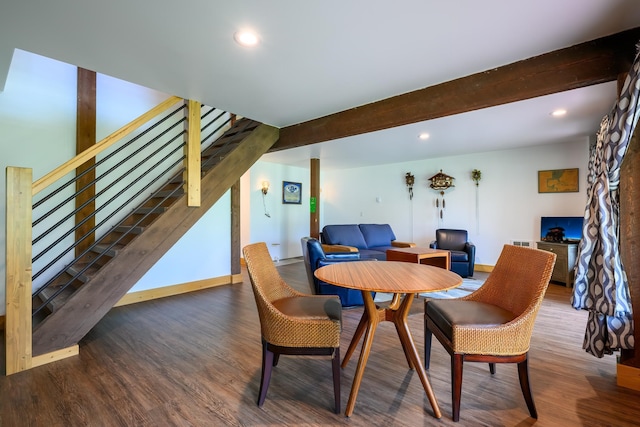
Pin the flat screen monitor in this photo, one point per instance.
(561, 229)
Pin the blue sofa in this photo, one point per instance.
(370, 240)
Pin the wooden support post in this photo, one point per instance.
(85, 139)
(18, 327)
(192, 154)
(314, 208)
(236, 273)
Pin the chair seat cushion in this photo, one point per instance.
(342, 256)
(459, 256)
(370, 254)
(446, 313)
(310, 307)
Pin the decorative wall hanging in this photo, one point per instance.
(441, 182)
(409, 179)
(291, 192)
(558, 181)
(476, 176)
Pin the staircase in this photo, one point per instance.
(89, 287)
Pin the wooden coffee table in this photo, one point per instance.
(436, 257)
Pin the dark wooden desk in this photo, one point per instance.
(438, 257)
(393, 277)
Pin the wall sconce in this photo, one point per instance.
(265, 190)
(409, 179)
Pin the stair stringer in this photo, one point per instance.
(91, 302)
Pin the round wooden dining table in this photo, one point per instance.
(400, 279)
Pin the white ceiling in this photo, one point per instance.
(320, 57)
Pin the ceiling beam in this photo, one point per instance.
(597, 61)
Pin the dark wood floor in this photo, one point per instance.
(194, 360)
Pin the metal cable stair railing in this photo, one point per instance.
(134, 183)
(58, 283)
(66, 262)
(166, 150)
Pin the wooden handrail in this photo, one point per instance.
(78, 160)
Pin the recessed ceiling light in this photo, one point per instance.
(423, 136)
(559, 113)
(246, 38)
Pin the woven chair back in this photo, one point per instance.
(519, 279)
(267, 284)
(276, 327)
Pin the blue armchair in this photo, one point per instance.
(315, 257)
(463, 252)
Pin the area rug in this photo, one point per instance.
(468, 285)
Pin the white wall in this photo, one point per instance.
(37, 124)
(202, 253)
(509, 204)
(286, 223)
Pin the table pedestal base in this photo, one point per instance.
(397, 312)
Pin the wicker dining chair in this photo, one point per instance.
(493, 324)
(291, 322)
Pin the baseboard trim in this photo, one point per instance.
(167, 291)
(54, 356)
(628, 376)
(483, 268)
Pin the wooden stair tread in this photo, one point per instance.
(103, 249)
(178, 192)
(129, 229)
(151, 210)
(58, 301)
(74, 271)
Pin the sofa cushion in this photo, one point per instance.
(377, 234)
(343, 234)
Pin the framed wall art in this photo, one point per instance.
(291, 192)
(558, 181)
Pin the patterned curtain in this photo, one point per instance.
(601, 284)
